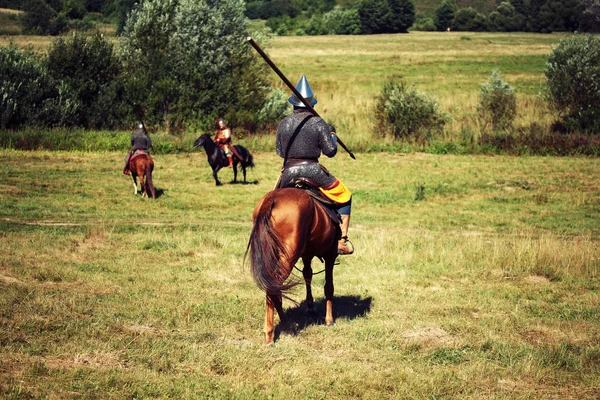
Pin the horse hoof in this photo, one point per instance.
(330, 323)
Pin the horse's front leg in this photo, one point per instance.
(134, 184)
(308, 274)
(215, 171)
(329, 260)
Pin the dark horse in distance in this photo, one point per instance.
(142, 165)
(217, 159)
(289, 225)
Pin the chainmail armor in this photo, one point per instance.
(139, 140)
(313, 139)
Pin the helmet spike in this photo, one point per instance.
(303, 87)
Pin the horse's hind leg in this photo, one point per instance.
(308, 274)
(273, 303)
(143, 185)
(134, 184)
(329, 260)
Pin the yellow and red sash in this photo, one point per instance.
(337, 192)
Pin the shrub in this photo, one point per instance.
(402, 111)
(497, 102)
(87, 68)
(27, 92)
(274, 109)
(573, 81)
(424, 24)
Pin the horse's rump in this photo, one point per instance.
(288, 224)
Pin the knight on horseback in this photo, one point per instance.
(140, 143)
(223, 139)
(301, 138)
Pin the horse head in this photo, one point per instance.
(202, 140)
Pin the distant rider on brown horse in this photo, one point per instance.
(140, 142)
(301, 138)
(223, 139)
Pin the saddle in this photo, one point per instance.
(312, 189)
(137, 153)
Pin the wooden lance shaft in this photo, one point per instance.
(292, 88)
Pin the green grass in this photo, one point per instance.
(484, 287)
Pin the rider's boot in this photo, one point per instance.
(344, 245)
(126, 169)
(230, 161)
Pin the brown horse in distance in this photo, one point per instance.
(289, 225)
(142, 166)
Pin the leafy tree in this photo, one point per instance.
(444, 14)
(401, 15)
(188, 60)
(27, 92)
(37, 18)
(506, 19)
(591, 16)
(573, 79)
(373, 16)
(520, 6)
(87, 69)
(350, 22)
(468, 19)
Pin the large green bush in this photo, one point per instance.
(27, 93)
(402, 111)
(497, 102)
(573, 81)
(87, 69)
(189, 60)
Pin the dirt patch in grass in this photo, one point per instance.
(428, 336)
(537, 280)
(9, 279)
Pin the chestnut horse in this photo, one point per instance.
(142, 166)
(289, 225)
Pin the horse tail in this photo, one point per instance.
(267, 253)
(149, 184)
(250, 160)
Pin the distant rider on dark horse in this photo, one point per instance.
(140, 142)
(301, 138)
(223, 139)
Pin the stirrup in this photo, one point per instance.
(345, 246)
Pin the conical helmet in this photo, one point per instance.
(304, 88)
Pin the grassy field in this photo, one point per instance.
(475, 277)
(348, 72)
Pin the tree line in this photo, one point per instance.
(320, 17)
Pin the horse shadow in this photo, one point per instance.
(347, 307)
(159, 192)
(232, 182)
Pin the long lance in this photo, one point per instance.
(293, 89)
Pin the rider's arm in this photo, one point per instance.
(327, 139)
